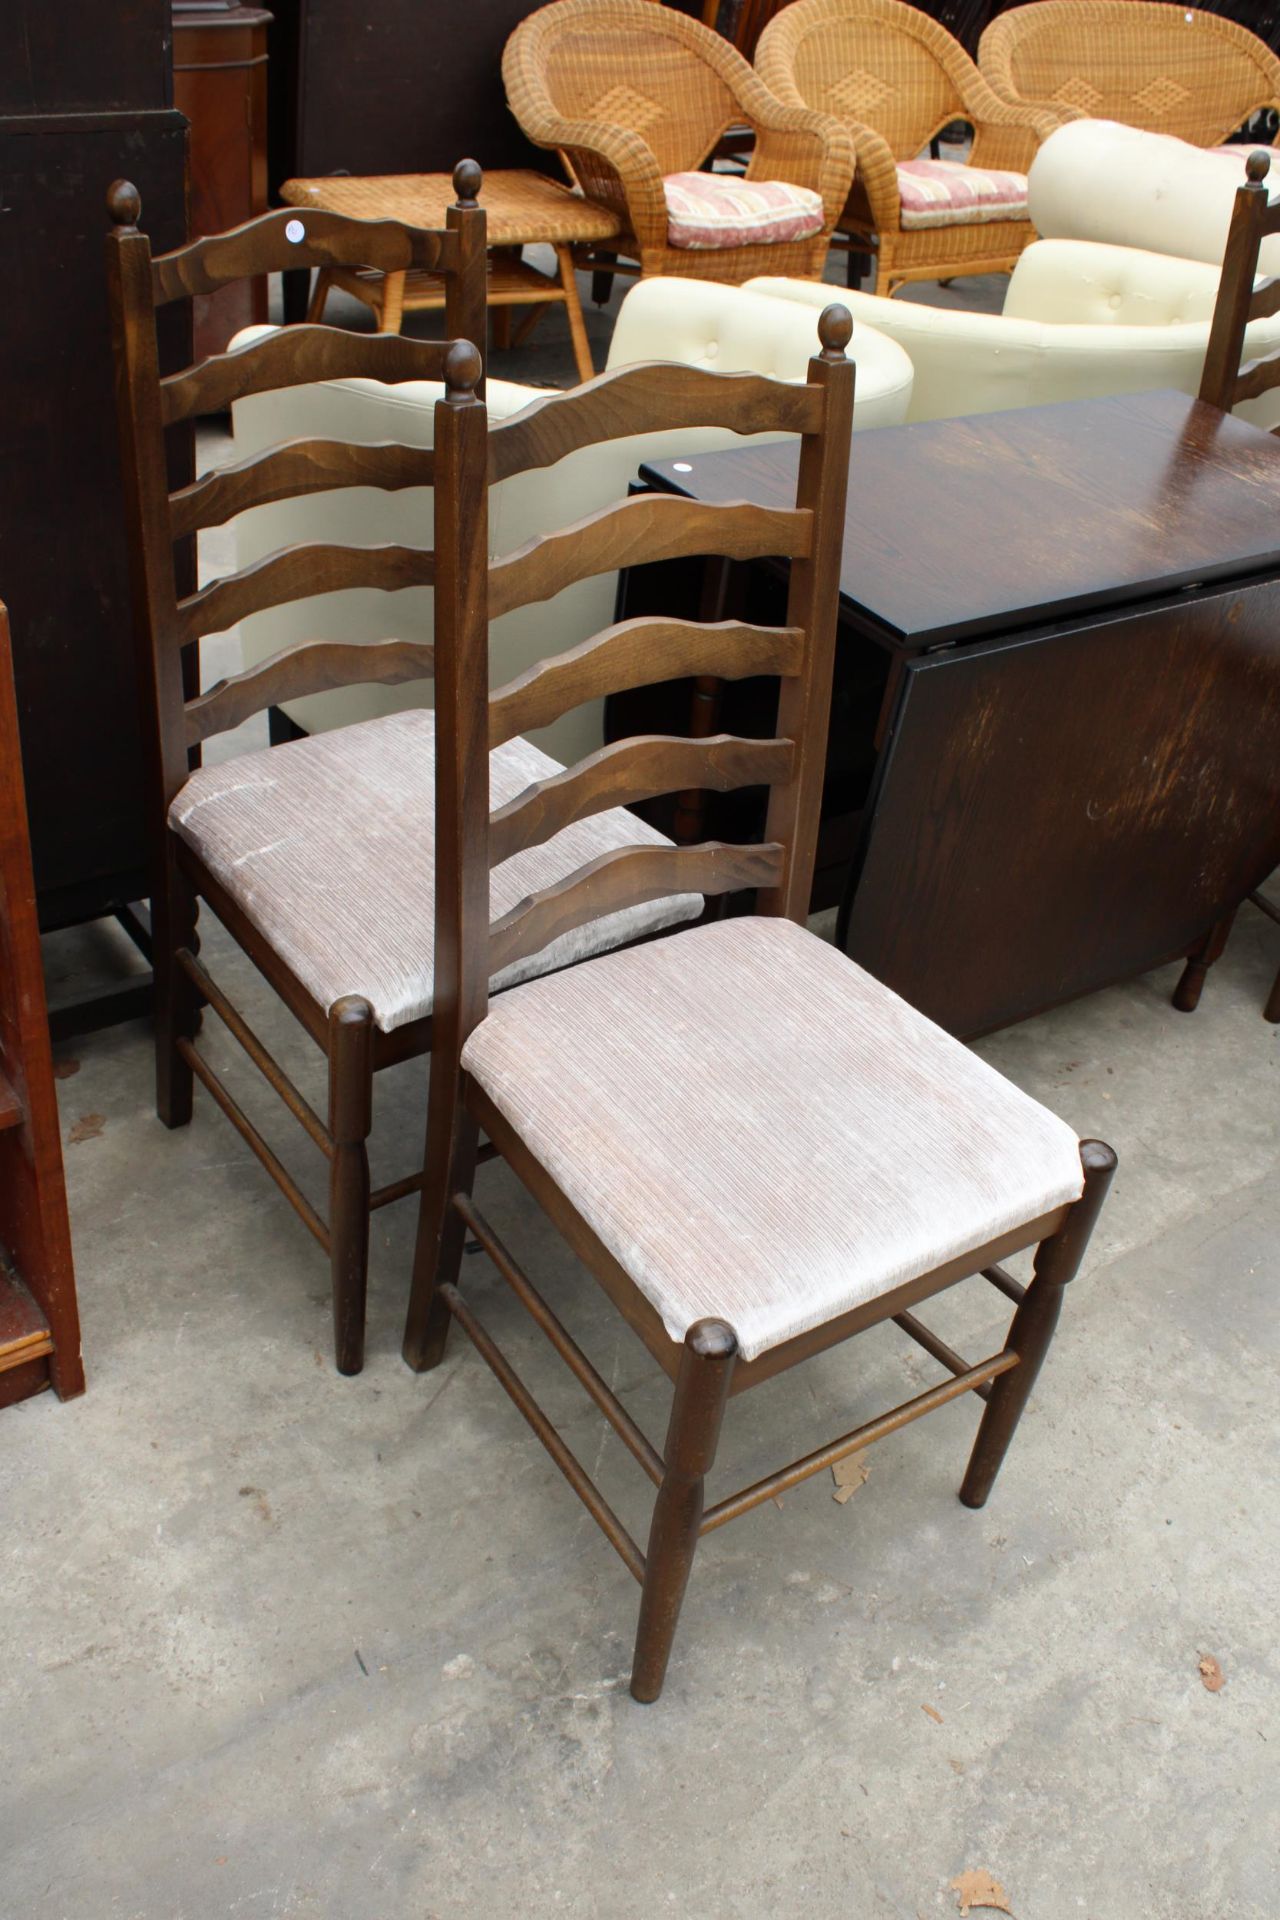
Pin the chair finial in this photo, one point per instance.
(835, 330)
(124, 203)
(462, 367)
(468, 178)
(1257, 167)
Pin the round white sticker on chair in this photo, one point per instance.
(295, 231)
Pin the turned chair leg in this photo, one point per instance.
(390, 312)
(1272, 1009)
(1057, 1261)
(319, 296)
(706, 1368)
(1186, 995)
(437, 1257)
(177, 1001)
(350, 1119)
(601, 278)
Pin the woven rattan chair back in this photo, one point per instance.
(1168, 69)
(591, 57)
(645, 68)
(171, 620)
(876, 62)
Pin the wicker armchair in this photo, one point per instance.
(895, 78)
(1167, 69)
(630, 93)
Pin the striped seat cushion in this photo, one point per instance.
(328, 846)
(945, 193)
(706, 210)
(758, 1131)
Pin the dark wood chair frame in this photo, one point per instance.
(169, 628)
(704, 1367)
(1225, 383)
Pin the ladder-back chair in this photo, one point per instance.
(1227, 382)
(315, 855)
(756, 1148)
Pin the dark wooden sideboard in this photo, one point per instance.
(85, 96)
(1055, 747)
(403, 86)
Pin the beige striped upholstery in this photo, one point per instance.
(328, 845)
(759, 1131)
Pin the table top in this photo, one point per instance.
(521, 208)
(956, 528)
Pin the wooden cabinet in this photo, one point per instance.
(396, 87)
(85, 96)
(403, 86)
(220, 84)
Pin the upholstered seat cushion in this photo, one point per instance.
(945, 193)
(708, 210)
(759, 1131)
(328, 845)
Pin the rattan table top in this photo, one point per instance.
(521, 208)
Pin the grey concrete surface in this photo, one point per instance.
(279, 1643)
(283, 1644)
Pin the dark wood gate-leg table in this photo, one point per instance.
(1074, 757)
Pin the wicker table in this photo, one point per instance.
(522, 209)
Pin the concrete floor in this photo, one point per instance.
(280, 1643)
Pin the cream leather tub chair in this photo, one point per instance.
(692, 322)
(1098, 180)
(1080, 320)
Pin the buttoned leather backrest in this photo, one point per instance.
(1097, 180)
(1061, 281)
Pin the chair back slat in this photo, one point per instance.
(310, 237)
(621, 403)
(297, 573)
(636, 653)
(1257, 377)
(628, 876)
(647, 528)
(309, 666)
(630, 771)
(1265, 301)
(294, 468)
(296, 357)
